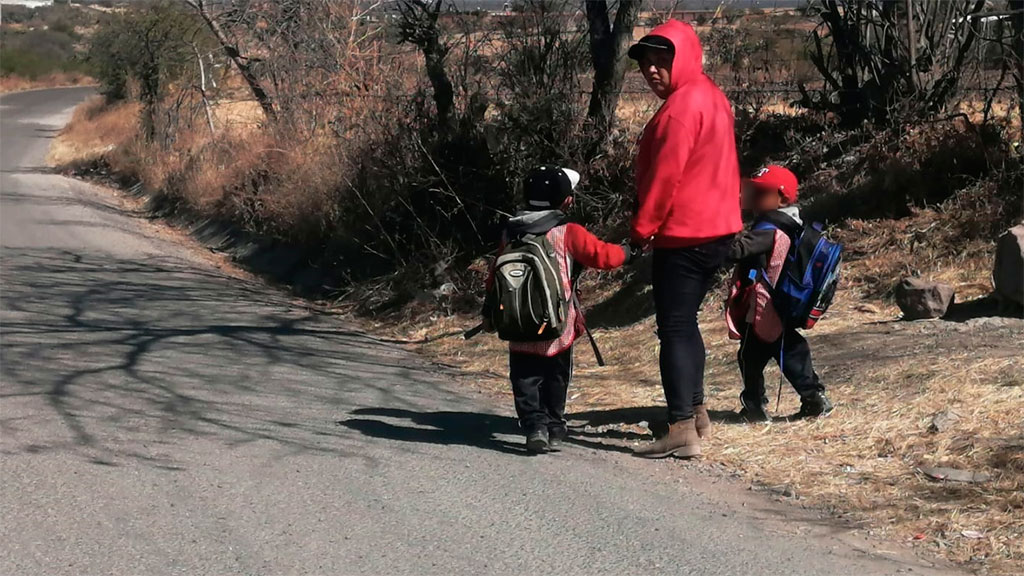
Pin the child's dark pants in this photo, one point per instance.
(539, 384)
(682, 277)
(796, 365)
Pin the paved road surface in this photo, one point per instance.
(159, 417)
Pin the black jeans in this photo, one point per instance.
(796, 365)
(682, 278)
(539, 385)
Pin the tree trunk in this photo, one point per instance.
(202, 89)
(418, 26)
(240, 62)
(608, 48)
(1017, 47)
(444, 94)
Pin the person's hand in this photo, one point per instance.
(632, 253)
(635, 250)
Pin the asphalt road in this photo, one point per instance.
(160, 417)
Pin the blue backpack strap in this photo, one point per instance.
(764, 225)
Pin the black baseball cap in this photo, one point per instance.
(547, 187)
(650, 42)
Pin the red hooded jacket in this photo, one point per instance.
(687, 173)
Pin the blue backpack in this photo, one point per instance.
(809, 277)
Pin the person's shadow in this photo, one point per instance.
(478, 430)
(595, 429)
(481, 430)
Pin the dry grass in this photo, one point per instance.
(237, 115)
(54, 80)
(888, 379)
(95, 129)
(216, 174)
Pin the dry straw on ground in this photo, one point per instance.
(888, 379)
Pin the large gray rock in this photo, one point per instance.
(1008, 273)
(920, 299)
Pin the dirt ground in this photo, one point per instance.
(888, 379)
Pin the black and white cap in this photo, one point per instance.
(547, 187)
(650, 42)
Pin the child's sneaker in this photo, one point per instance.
(814, 406)
(754, 412)
(538, 441)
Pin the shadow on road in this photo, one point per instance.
(597, 429)
(134, 356)
(473, 429)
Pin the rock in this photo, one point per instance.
(954, 475)
(784, 490)
(920, 299)
(1008, 272)
(944, 421)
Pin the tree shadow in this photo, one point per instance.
(126, 359)
(25, 170)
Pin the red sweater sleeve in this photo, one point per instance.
(670, 147)
(591, 252)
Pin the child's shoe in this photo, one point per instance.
(754, 412)
(538, 441)
(814, 405)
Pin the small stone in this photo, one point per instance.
(955, 475)
(943, 421)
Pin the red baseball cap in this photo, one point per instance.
(775, 178)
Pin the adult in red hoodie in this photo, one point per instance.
(688, 210)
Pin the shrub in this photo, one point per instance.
(36, 52)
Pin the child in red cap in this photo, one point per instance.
(760, 254)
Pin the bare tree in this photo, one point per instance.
(243, 63)
(608, 46)
(418, 26)
(882, 60)
(1016, 51)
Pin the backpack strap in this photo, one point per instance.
(776, 219)
(574, 277)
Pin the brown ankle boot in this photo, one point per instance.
(702, 421)
(681, 441)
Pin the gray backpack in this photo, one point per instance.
(527, 299)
